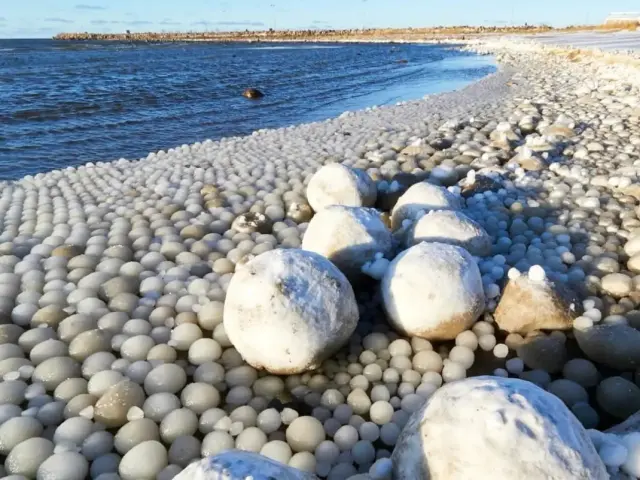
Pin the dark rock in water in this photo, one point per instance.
(252, 93)
(402, 62)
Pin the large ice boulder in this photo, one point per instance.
(240, 465)
(454, 228)
(337, 184)
(348, 236)
(490, 427)
(433, 291)
(422, 197)
(288, 310)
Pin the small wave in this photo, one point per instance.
(296, 47)
(7, 49)
(44, 114)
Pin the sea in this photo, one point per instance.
(68, 103)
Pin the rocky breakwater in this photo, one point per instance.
(313, 301)
(310, 35)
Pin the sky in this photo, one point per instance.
(45, 18)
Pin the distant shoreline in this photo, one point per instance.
(356, 35)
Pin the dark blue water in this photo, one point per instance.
(65, 104)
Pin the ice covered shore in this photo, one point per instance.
(114, 351)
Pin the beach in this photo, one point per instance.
(484, 321)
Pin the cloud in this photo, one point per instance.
(115, 22)
(240, 24)
(3, 19)
(319, 22)
(166, 21)
(139, 22)
(84, 6)
(202, 22)
(58, 20)
(99, 22)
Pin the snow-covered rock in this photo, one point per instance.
(433, 291)
(454, 228)
(421, 197)
(529, 304)
(252, 222)
(348, 236)
(337, 184)
(479, 182)
(240, 465)
(288, 310)
(490, 427)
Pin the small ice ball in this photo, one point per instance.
(381, 412)
(453, 371)
(594, 314)
(492, 290)
(537, 274)
(501, 350)
(269, 420)
(632, 464)
(513, 273)
(382, 468)
(582, 323)
(304, 434)
(515, 366)
(462, 355)
(363, 452)
(467, 339)
(346, 437)
(251, 439)
(613, 454)
(487, 342)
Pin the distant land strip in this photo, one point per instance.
(406, 34)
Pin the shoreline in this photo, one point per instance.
(119, 299)
(440, 100)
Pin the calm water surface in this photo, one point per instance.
(68, 103)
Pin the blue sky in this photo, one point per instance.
(44, 18)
